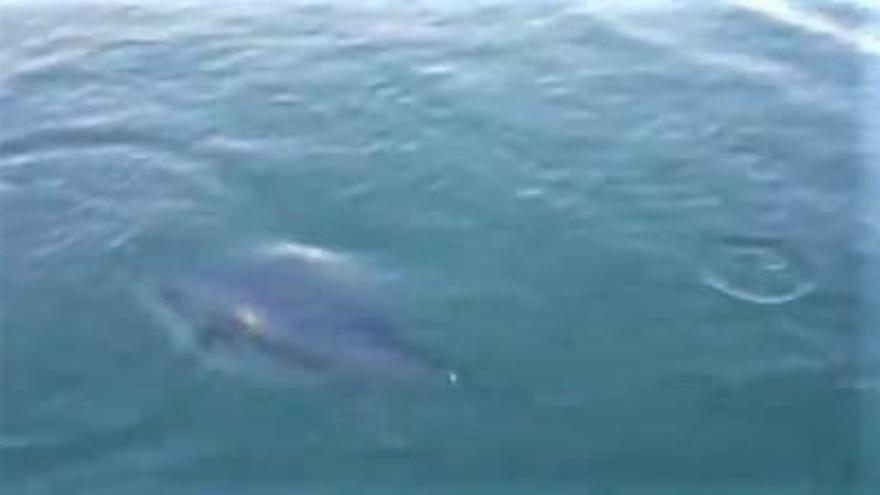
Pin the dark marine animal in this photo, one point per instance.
(295, 315)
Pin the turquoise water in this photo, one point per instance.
(637, 234)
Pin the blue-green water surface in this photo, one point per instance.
(633, 229)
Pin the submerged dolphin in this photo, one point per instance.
(298, 314)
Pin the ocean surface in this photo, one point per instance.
(639, 236)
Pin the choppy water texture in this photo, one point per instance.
(630, 233)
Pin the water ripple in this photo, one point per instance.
(760, 270)
(93, 189)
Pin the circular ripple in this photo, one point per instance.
(759, 269)
(86, 191)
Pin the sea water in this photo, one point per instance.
(636, 230)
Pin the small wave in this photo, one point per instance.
(814, 22)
